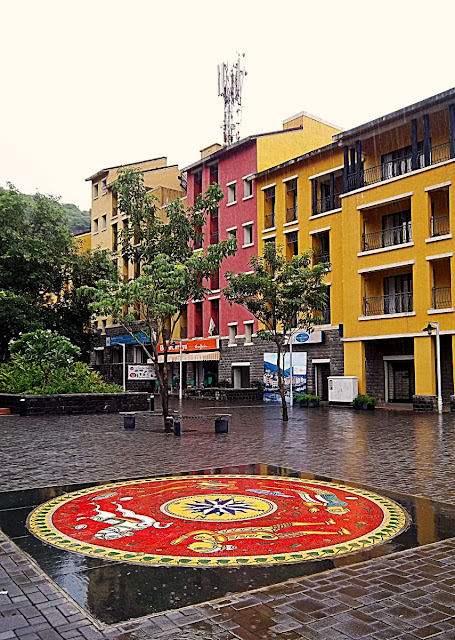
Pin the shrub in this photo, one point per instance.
(364, 401)
(42, 362)
(306, 399)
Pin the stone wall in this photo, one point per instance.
(424, 403)
(75, 403)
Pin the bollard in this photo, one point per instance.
(177, 427)
(129, 422)
(152, 402)
(221, 426)
(22, 407)
(168, 424)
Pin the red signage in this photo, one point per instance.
(191, 346)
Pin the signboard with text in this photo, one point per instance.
(141, 372)
(191, 346)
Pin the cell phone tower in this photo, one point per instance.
(230, 83)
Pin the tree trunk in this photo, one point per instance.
(164, 391)
(284, 406)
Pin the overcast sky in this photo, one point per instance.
(96, 83)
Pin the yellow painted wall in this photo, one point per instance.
(83, 241)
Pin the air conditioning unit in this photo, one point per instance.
(343, 388)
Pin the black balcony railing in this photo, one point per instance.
(441, 297)
(397, 167)
(291, 214)
(325, 204)
(384, 305)
(387, 237)
(321, 257)
(198, 332)
(269, 221)
(439, 226)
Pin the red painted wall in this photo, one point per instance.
(233, 164)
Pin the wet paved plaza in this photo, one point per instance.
(410, 594)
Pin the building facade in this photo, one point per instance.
(240, 361)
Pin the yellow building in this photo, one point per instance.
(164, 183)
(379, 204)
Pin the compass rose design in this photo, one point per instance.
(220, 507)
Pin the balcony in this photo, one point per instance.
(326, 204)
(439, 226)
(398, 167)
(291, 214)
(387, 237)
(269, 221)
(384, 305)
(441, 298)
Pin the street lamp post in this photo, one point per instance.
(431, 326)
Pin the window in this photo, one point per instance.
(104, 186)
(248, 332)
(95, 190)
(116, 355)
(139, 355)
(247, 188)
(103, 325)
(214, 322)
(292, 245)
(214, 174)
(232, 334)
(232, 193)
(232, 233)
(321, 247)
(398, 294)
(439, 221)
(197, 183)
(396, 228)
(269, 207)
(291, 200)
(104, 223)
(114, 237)
(137, 268)
(99, 356)
(248, 235)
(95, 225)
(198, 320)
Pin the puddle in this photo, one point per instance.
(114, 591)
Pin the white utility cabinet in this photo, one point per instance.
(343, 388)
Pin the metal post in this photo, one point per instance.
(124, 365)
(438, 366)
(291, 391)
(180, 372)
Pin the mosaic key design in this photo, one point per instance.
(218, 520)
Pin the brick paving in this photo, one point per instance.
(406, 595)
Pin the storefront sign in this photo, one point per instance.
(141, 372)
(310, 338)
(111, 341)
(191, 346)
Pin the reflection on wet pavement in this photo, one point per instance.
(113, 591)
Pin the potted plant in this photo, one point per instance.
(364, 401)
(308, 400)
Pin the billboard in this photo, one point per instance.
(299, 371)
(141, 372)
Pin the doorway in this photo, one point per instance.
(399, 380)
(321, 383)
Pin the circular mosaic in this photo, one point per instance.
(218, 520)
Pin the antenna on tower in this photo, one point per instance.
(230, 83)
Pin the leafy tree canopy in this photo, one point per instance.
(162, 242)
(282, 295)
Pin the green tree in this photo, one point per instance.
(70, 314)
(172, 273)
(34, 241)
(282, 295)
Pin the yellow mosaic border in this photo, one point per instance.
(395, 521)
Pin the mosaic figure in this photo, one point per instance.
(122, 525)
(214, 541)
(323, 499)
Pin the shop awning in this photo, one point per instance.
(191, 357)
